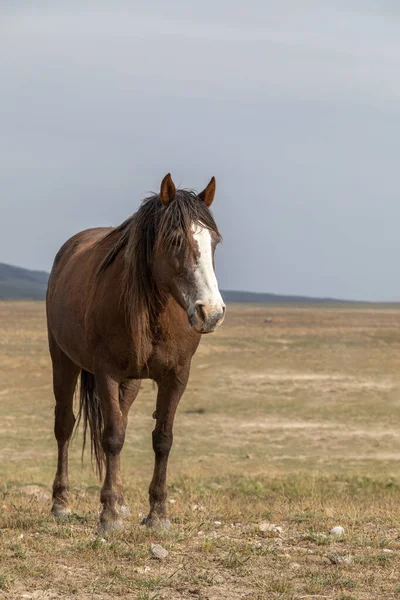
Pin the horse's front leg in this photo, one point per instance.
(170, 390)
(114, 426)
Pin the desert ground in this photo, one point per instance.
(289, 427)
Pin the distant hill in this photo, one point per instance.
(22, 284)
(260, 298)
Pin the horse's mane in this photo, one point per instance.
(154, 225)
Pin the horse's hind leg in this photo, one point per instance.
(65, 375)
(114, 412)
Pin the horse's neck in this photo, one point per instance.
(171, 317)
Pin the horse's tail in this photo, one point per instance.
(90, 412)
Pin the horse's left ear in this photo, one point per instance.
(167, 190)
(207, 195)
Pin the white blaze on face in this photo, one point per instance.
(205, 280)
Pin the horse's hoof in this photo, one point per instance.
(156, 522)
(110, 525)
(60, 512)
(124, 511)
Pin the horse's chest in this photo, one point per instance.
(167, 354)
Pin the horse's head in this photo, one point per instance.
(183, 260)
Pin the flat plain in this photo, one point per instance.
(289, 426)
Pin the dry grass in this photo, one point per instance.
(293, 422)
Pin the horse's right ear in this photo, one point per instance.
(167, 190)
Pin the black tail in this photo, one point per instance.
(90, 411)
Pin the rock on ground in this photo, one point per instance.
(338, 530)
(158, 551)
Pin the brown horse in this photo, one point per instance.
(125, 304)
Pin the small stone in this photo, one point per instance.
(146, 569)
(21, 537)
(336, 559)
(26, 596)
(270, 527)
(217, 523)
(159, 552)
(294, 565)
(318, 560)
(338, 530)
(388, 551)
(172, 501)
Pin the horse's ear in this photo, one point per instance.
(207, 195)
(167, 190)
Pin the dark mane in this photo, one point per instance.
(154, 225)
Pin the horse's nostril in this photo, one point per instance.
(210, 316)
(201, 311)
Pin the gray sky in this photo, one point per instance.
(294, 106)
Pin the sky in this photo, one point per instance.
(293, 105)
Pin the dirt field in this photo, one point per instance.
(289, 427)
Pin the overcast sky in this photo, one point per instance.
(293, 105)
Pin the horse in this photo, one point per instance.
(123, 304)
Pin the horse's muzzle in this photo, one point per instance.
(206, 317)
